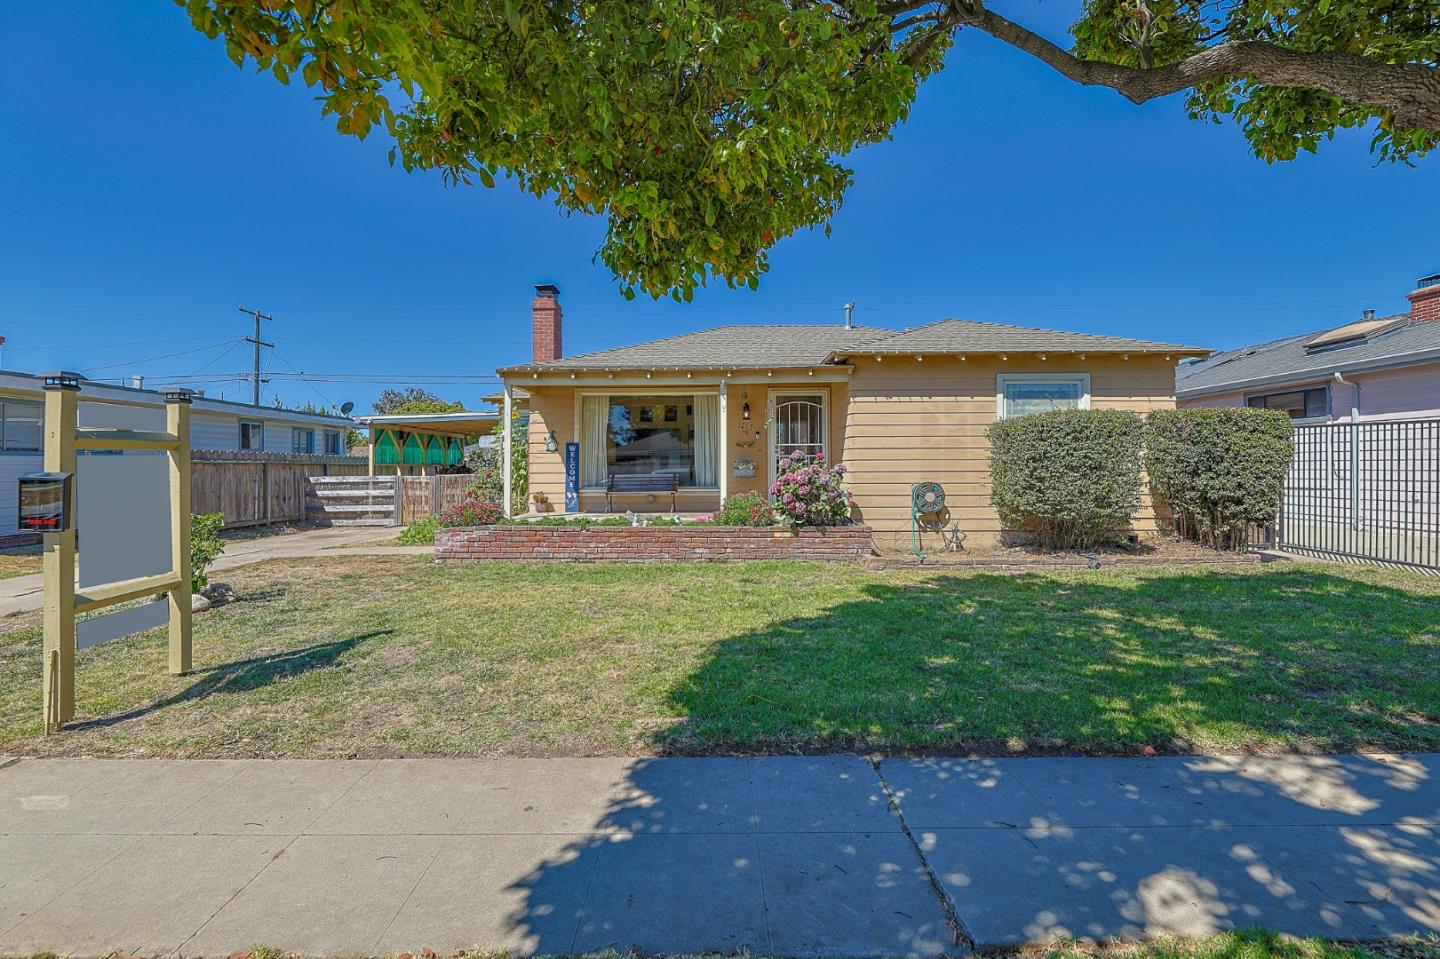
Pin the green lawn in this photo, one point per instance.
(396, 656)
(1233, 945)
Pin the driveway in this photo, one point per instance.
(831, 856)
(21, 594)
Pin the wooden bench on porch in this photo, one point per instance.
(641, 483)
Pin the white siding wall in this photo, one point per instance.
(214, 431)
(277, 435)
(12, 465)
(221, 431)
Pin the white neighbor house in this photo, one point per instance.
(214, 425)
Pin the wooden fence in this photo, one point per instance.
(253, 488)
(422, 496)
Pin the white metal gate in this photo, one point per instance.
(1369, 491)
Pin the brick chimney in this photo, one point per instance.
(1425, 301)
(545, 315)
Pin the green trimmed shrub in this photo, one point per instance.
(1218, 471)
(743, 509)
(205, 546)
(1070, 478)
(419, 533)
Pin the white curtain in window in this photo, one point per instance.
(707, 439)
(594, 458)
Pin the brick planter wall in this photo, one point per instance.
(648, 544)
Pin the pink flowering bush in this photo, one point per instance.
(809, 491)
(472, 511)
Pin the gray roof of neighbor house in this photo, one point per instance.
(761, 347)
(1286, 360)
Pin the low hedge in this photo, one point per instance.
(1070, 478)
(1218, 471)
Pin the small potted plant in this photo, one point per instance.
(541, 501)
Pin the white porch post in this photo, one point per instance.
(722, 465)
(506, 441)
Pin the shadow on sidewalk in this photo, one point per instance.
(698, 859)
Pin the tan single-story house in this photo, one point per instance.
(1367, 370)
(718, 408)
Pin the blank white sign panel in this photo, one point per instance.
(122, 622)
(122, 501)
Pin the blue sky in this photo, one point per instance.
(148, 187)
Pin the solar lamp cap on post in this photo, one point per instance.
(61, 380)
(179, 394)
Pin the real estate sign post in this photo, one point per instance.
(64, 438)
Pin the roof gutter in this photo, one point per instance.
(1321, 373)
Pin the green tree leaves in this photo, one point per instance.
(704, 132)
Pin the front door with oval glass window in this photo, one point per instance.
(799, 425)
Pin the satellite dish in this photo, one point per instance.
(346, 408)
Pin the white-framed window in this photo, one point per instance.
(1017, 394)
(252, 435)
(650, 433)
(1312, 403)
(20, 426)
(800, 424)
(334, 442)
(302, 440)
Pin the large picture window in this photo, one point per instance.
(625, 435)
(1019, 394)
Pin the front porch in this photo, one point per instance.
(719, 431)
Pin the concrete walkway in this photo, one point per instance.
(793, 856)
(21, 594)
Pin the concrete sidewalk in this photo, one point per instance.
(21, 594)
(794, 856)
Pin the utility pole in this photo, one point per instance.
(258, 344)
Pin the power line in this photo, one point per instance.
(149, 359)
(208, 363)
(326, 399)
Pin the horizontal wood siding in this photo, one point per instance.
(550, 409)
(909, 422)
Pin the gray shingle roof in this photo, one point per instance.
(761, 347)
(724, 347)
(1286, 360)
(974, 336)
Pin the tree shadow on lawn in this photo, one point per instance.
(1213, 661)
(241, 676)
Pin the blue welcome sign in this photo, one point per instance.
(572, 477)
